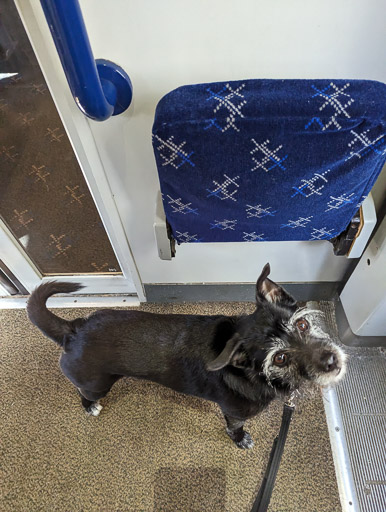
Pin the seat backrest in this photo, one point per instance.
(268, 160)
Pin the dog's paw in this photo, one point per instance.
(94, 409)
(246, 442)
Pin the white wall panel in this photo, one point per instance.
(165, 44)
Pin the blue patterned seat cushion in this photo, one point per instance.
(266, 160)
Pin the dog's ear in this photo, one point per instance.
(270, 291)
(231, 355)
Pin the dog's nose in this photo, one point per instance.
(329, 361)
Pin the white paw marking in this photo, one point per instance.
(95, 409)
(246, 443)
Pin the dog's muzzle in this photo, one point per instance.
(330, 362)
(330, 366)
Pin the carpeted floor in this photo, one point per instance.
(150, 449)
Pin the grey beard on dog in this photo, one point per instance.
(240, 362)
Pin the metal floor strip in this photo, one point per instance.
(362, 401)
(356, 417)
(344, 476)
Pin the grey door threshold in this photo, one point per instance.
(360, 400)
(356, 418)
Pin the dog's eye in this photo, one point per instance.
(302, 325)
(280, 359)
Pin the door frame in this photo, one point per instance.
(86, 151)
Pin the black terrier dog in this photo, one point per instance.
(240, 362)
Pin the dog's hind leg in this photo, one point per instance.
(90, 388)
(237, 433)
(90, 401)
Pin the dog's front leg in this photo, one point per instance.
(236, 432)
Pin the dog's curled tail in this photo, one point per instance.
(51, 325)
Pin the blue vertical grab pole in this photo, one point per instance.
(100, 88)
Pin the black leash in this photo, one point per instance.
(265, 492)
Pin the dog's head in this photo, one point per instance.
(281, 343)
